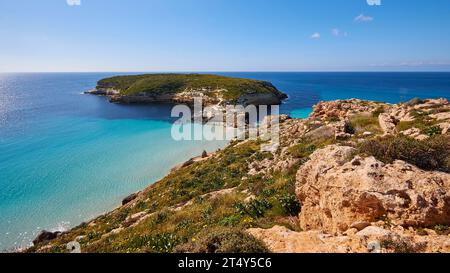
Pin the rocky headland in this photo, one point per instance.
(356, 176)
(182, 88)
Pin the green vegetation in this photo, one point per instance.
(401, 245)
(429, 154)
(290, 204)
(433, 130)
(255, 208)
(361, 123)
(255, 201)
(312, 141)
(422, 121)
(174, 83)
(442, 229)
(223, 240)
(377, 112)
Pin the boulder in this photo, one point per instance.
(337, 191)
(282, 240)
(370, 240)
(129, 198)
(45, 236)
(387, 124)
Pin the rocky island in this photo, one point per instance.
(356, 176)
(182, 88)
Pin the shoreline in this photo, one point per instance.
(61, 231)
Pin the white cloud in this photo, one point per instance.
(73, 2)
(315, 35)
(363, 18)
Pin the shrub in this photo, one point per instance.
(442, 229)
(223, 240)
(433, 130)
(302, 150)
(430, 154)
(290, 204)
(401, 245)
(312, 141)
(255, 208)
(161, 243)
(349, 128)
(231, 220)
(377, 112)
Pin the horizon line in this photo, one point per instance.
(236, 71)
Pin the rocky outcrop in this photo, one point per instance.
(387, 123)
(129, 198)
(103, 92)
(261, 99)
(414, 133)
(342, 109)
(372, 239)
(46, 236)
(337, 191)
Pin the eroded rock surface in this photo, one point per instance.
(337, 191)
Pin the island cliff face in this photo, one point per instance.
(182, 88)
(356, 176)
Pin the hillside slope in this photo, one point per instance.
(356, 176)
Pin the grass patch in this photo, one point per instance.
(422, 121)
(223, 240)
(314, 140)
(365, 123)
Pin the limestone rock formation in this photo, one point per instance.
(337, 191)
(370, 240)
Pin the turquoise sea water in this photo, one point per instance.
(67, 157)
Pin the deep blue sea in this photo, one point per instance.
(66, 157)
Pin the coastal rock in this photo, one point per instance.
(45, 236)
(335, 192)
(183, 88)
(261, 99)
(103, 92)
(129, 198)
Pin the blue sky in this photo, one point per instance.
(224, 35)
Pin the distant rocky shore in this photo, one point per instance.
(182, 88)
